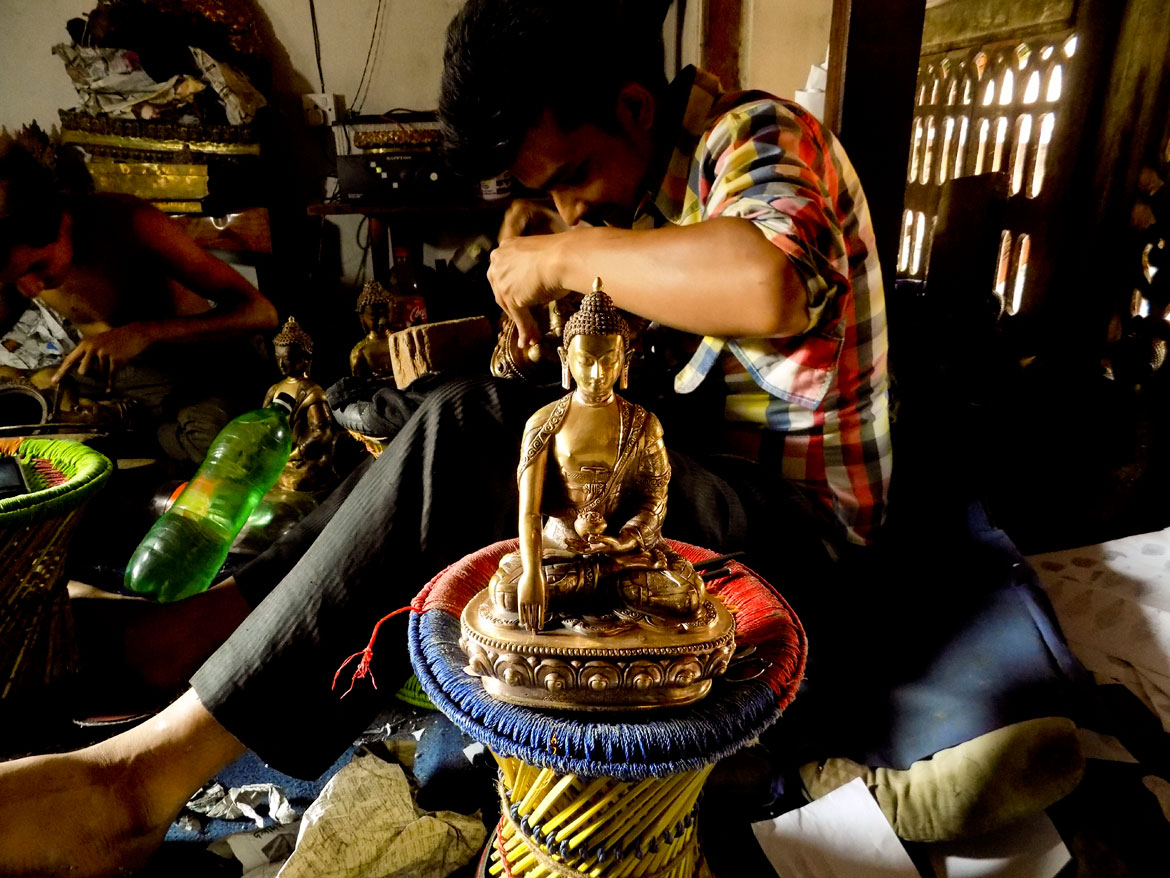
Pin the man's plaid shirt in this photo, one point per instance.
(824, 392)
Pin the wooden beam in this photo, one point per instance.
(722, 35)
(869, 103)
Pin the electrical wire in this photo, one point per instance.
(317, 43)
(360, 275)
(359, 100)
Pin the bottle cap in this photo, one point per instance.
(285, 401)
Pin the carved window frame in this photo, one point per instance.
(994, 107)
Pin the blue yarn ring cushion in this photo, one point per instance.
(628, 746)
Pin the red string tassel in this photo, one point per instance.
(367, 654)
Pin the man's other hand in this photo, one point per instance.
(105, 351)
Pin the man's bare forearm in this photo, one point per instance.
(721, 277)
(243, 318)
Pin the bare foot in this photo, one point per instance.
(70, 815)
(104, 810)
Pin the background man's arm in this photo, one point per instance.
(239, 309)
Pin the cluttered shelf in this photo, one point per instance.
(385, 217)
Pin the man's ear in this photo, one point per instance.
(635, 107)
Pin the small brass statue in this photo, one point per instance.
(370, 357)
(593, 577)
(310, 464)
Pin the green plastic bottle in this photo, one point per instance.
(185, 548)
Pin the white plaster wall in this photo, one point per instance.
(406, 67)
(33, 83)
(407, 55)
(781, 40)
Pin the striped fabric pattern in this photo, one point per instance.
(825, 391)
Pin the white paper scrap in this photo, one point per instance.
(1029, 848)
(842, 835)
(473, 750)
(1095, 745)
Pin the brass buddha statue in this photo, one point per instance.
(310, 464)
(594, 467)
(593, 574)
(370, 357)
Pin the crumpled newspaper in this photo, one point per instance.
(112, 82)
(39, 339)
(365, 825)
(259, 851)
(216, 801)
(240, 100)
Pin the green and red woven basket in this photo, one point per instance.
(36, 629)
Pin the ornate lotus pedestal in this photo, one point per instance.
(627, 668)
(607, 788)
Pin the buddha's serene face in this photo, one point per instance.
(595, 362)
(376, 317)
(291, 360)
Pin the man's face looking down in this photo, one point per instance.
(592, 173)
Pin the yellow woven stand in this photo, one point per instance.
(566, 826)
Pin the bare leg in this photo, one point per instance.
(137, 654)
(103, 810)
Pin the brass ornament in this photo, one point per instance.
(537, 362)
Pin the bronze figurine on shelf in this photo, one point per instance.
(310, 464)
(309, 473)
(370, 357)
(593, 577)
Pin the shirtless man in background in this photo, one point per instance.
(138, 290)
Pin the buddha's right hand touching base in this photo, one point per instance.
(532, 599)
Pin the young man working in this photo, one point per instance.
(762, 250)
(152, 308)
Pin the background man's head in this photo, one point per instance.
(521, 76)
(31, 205)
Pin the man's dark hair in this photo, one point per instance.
(31, 201)
(507, 61)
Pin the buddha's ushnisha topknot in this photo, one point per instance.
(372, 292)
(596, 316)
(292, 335)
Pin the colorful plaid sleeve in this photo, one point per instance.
(768, 161)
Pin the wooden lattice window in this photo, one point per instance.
(988, 109)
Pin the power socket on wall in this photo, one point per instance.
(322, 109)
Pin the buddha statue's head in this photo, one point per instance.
(293, 348)
(594, 346)
(374, 307)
